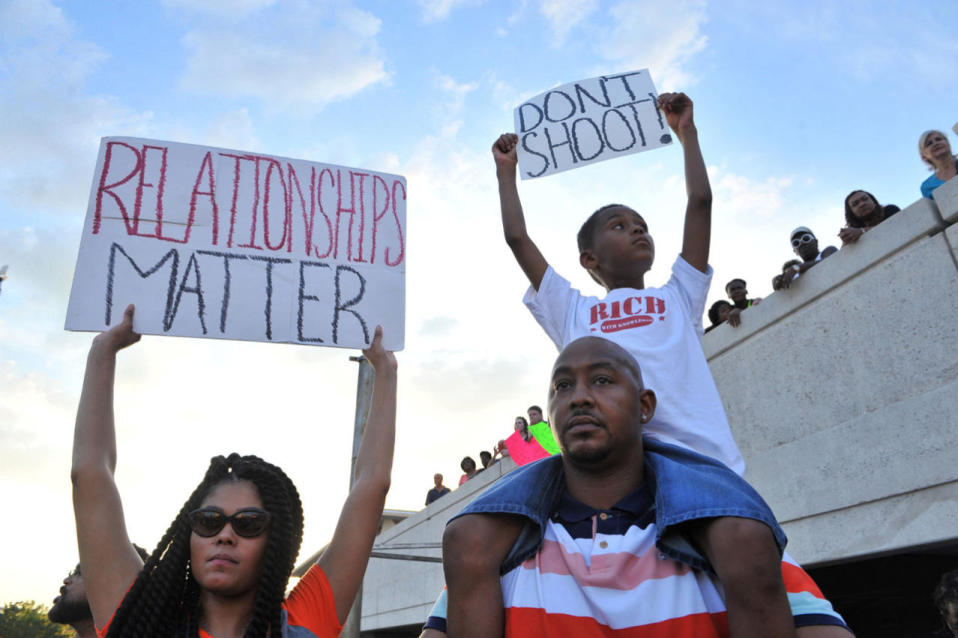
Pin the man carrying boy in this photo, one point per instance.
(661, 327)
(587, 560)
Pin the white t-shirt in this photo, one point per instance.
(661, 328)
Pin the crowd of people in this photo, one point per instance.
(538, 430)
(863, 212)
(637, 518)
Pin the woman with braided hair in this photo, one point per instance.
(221, 569)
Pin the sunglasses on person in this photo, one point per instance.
(248, 522)
(804, 238)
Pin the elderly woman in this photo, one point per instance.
(862, 213)
(935, 150)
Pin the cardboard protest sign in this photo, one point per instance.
(522, 451)
(589, 121)
(209, 242)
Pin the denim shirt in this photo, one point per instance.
(687, 486)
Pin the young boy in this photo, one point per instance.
(661, 328)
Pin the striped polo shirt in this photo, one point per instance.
(598, 573)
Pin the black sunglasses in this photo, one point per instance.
(247, 522)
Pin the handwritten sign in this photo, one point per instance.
(214, 243)
(589, 121)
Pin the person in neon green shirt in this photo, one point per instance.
(541, 431)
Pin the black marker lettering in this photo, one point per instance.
(224, 306)
(191, 266)
(304, 297)
(111, 271)
(269, 289)
(346, 307)
(575, 138)
(545, 160)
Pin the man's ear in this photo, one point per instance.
(587, 260)
(647, 403)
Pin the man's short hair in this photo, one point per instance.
(534, 407)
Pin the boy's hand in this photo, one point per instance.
(504, 151)
(380, 358)
(119, 336)
(678, 112)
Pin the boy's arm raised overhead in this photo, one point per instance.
(698, 212)
(531, 261)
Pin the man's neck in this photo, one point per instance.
(601, 489)
(84, 628)
(741, 304)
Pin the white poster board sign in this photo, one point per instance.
(214, 243)
(589, 121)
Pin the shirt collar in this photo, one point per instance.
(636, 503)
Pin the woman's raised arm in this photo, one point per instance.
(108, 562)
(345, 559)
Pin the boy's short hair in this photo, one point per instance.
(587, 232)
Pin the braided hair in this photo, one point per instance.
(164, 599)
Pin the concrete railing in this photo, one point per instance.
(842, 393)
(401, 592)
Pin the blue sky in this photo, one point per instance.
(797, 103)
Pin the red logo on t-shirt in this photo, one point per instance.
(633, 312)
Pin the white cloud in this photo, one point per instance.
(662, 37)
(297, 56)
(233, 129)
(220, 8)
(438, 10)
(455, 92)
(46, 121)
(565, 15)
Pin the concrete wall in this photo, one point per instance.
(842, 393)
(401, 592)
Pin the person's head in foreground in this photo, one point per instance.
(238, 534)
(862, 210)
(718, 312)
(804, 243)
(71, 607)
(598, 404)
(535, 414)
(615, 247)
(946, 599)
(934, 148)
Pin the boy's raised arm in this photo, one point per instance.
(531, 261)
(698, 213)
